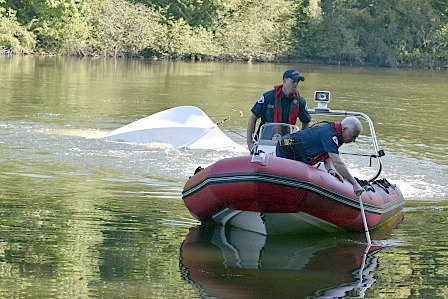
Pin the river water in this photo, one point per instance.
(86, 218)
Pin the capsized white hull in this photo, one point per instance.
(183, 126)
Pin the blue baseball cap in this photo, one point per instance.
(294, 75)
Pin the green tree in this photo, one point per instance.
(53, 20)
(439, 44)
(330, 35)
(14, 37)
(181, 40)
(379, 32)
(256, 29)
(441, 7)
(123, 28)
(196, 13)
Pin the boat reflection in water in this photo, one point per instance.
(231, 263)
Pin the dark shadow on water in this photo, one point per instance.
(230, 263)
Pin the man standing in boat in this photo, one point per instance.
(321, 143)
(283, 104)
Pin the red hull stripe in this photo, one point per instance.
(259, 177)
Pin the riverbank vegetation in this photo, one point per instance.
(401, 33)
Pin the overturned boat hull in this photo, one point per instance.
(281, 196)
(180, 127)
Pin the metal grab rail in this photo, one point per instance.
(378, 153)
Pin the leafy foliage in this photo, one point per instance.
(262, 37)
(13, 36)
(377, 32)
(409, 33)
(204, 13)
(121, 27)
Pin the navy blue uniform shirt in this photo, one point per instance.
(309, 143)
(264, 108)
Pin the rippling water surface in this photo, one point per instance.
(82, 217)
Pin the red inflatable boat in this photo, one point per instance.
(282, 196)
(272, 195)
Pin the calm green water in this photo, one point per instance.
(83, 218)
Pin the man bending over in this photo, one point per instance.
(322, 143)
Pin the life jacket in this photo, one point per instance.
(294, 106)
(337, 127)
